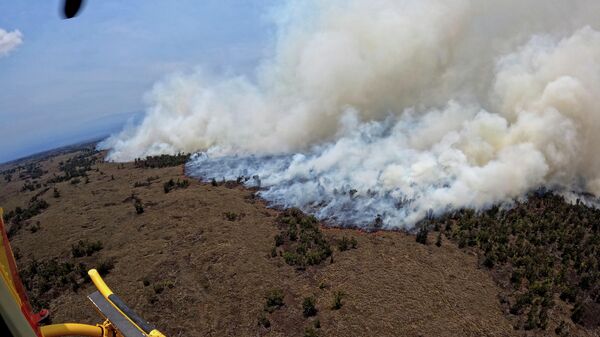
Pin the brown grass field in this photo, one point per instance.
(187, 268)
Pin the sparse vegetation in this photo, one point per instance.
(76, 166)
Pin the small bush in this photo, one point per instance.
(231, 216)
(139, 208)
(344, 244)
(35, 227)
(337, 300)
(141, 184)
(169, 186)
(308, 307)
(75, 181)
(86, 248)
(274, 300)
(279, 240)
(105, 266)
(438, 241)
(263, 321)
(158, 288)
(172, 185)
(422, 236)
(56, 193)
(310, 332)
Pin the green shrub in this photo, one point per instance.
(105, 266)
(308, 306)
(344, 243)
(438, 241)
(139, 208)
(422, 235)
(310, 332)
(337, 300)
(274, 300)
(35, 227)
(304, 243)
(231, 216)
(86, 248)
(279, 240)
(263, 321)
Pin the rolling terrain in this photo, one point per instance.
(200, 259)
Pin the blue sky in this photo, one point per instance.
(73, 80)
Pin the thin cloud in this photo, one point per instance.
(9, 41)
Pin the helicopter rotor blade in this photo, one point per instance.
(71, 8)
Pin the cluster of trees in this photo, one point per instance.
(161, 161)
(76, 166)
(8, 174)
(30, 186)
(542, 247)
(17, 217)
(45, 280)
(26, 171)
(30, 171)
(300, 241)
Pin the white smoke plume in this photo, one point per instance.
(396, 108)
(9, 41)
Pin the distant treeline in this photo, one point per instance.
(164, 160)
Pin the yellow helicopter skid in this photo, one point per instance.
(72, 329)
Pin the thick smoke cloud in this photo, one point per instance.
(397, 108)
(9, 41)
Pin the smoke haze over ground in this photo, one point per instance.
(397, 108)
